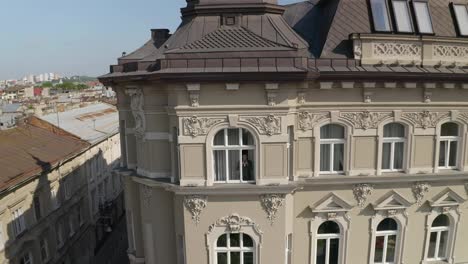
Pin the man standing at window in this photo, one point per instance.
(247, 168)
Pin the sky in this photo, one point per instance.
(78, 37)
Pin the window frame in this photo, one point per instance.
(327, 237)
(416, 19)
(393, 141)
(386, 234)
(226, 148)
(449, 140)
(438, 230)
(456, 19)
(332, 142)
(44, 245)
(395, 20)
(228, 249)
(389, 17)
(19, 224)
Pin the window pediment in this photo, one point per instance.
(446, 198)
(392, 201)
(331, 203)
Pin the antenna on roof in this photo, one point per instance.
(124, 54)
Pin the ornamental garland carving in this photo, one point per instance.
(419, 191)
(136, 105)
(269, 125)
(146, 193)
(425, 119)
(234, 223)
(195, 205)
(362, 192)
(306, 120)
(365, 120)
(271, 203)
(195, 126)
(396, 50)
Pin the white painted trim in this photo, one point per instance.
(135, 260)
(272, 181)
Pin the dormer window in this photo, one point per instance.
(423, 17)
(402, 16)
(461, 15)
(380, 15)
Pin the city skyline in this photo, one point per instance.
(50, 38)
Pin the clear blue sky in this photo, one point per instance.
(77, 37)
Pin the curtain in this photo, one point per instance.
(234, 164)
(338, 155)
(233, 137)
(398, 155)
(220, 164)
(332, 131)
(442, 152)
(325, 157)
(386, 152)
(394, 130)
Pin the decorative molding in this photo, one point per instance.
(419, 191)
(194, 99)
(269, 125)
(136, 105)
(307, 120)
(271, 98)
(454, 55)
(357, 49)
(195, 205)
(365, 120)
(362, 192)
(425, 119)
(466, 187)
(147, 193)
(195, 126)
(271, 204)
(463, 116)
(301, 97)
(234, 223)
(396, 50)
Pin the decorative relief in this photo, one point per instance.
(357, 50)
(195, 126)
(362, 192)
(395, 50)
(136, 105)
(463, 116)
(425, 119)
(234, 222)
(419, 191)
(365, 120)
(271, 204)
(269, 125)
(271, 98)
(301, 98)
(146, 192)
(450, 51)
(195, 205)
(194, 99)
(306, 120)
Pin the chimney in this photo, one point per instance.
(159, 36)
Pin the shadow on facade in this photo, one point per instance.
(54, 219)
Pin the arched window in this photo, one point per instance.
(448, 151)
(332, 141)
(438, 240)
(393, 148)
(235, 249)
(233, 156)
(328, 243)
(386, 242)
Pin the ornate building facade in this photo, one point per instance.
(321, 132)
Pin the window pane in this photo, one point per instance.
(449, 129)
(394, 130)
(247, 139)
(441, 220)
(329, 227)
(388, 224)
(380, 15)
(222, 241)
(220, 164)
(248, 258)
(462, 18)
(247, 240)
(222, 258)
(234, 240)
(386, 152)
(334, 249)
(234, 163)
(325, 157)
(423, 17)
(247, 165)
(443, 244)
(453, 154)
(402, 16)
(379, 245)
(332, 131)
(442, 151)
(399, 153)
(219, 138)
(321, 247)
(391, 244)
(432, 245)
(338, 155)
(235, 258)
(233, 136)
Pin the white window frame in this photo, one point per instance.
(19, 225)
(226, 148)
(289, 249)
(438, 230)
(396, 16)
(386, 234)
(342, 219)
(393, 141)
(389, 17)
(332, 142)
(459, 26)
(228, 249)
(327, 238)
(418, 17)
(449, 140)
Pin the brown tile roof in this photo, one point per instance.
(27, 150)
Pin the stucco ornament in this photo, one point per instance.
(271, 98)
(195, 126)
(146, 193)
(463, 116)
(301, 98)
(136, 105)
(269, 125)
(234, 223)
(396, 50)
(271, 203)
(419, 191)
(362, 192)
(194, 99)
(425, 119)
(306, 120)
(365, 120)
(453, 52)
(195, 205)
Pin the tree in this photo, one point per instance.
(47, 84)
